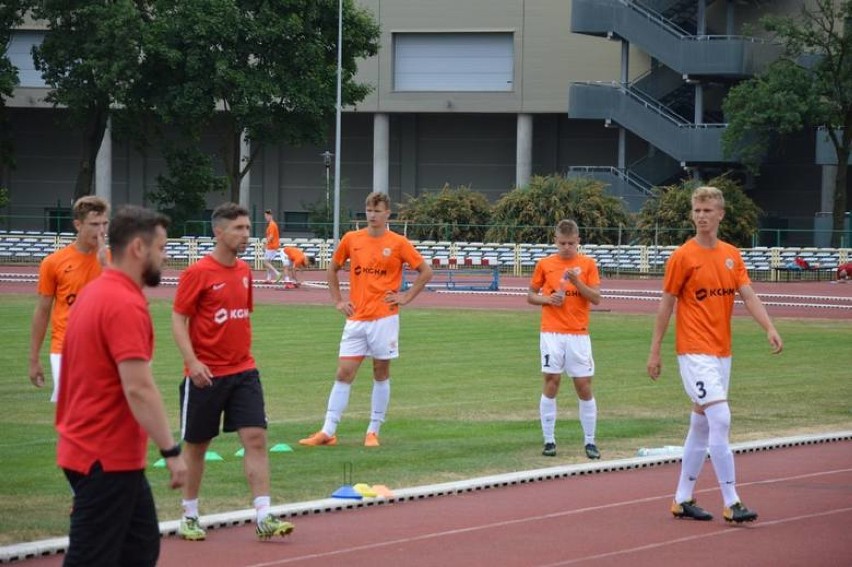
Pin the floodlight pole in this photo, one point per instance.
(337, 124)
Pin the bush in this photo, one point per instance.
(459, 214)
(666, 218)
(528, 214)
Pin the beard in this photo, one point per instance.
(151, 275)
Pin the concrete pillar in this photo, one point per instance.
(625, 63)
(381, 152)
(245, 182)
(622, 149)
(103, 166)
(699, 104)
(408, 159)
(826, 194)
(701, 18)
(523, 154)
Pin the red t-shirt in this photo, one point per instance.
(109, 324)
(705, 282)
(376, 264)
(218, 301)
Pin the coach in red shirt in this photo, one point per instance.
(109, 404)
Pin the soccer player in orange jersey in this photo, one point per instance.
(273, 242)
(566, 284)
(376, 257)
(61, 276)
(702, 277)
(211, 324)
(293, 259)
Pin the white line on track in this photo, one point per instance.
(565, 513)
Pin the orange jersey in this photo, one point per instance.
(704, 282)
(296, 256)
(62, 275)
(376, 265)
(272, 238)
(572, 317)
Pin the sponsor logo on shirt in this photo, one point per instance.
(223, 315)
(370, 271)
(703, 294)
(217, 286)
(729, 263)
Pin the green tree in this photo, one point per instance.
(90, 58)
(11, 15)
(666, 218)
(460, 214)
(810, 85)
(266, 70)
(528, 214)
(182, 193)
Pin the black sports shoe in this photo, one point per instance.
(592, 451)
(549, 450)
(738, 514)
(690, 509)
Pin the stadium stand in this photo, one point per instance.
(763, 263)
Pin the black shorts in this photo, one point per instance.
(114, 521)
(238, 396)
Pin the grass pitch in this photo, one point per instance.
(464, 403)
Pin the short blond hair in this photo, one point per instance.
(708, 193)
(377, 197)
(88, 204)
(567, 227)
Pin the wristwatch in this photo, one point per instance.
(169, 453)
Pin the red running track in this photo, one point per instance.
(803, 495)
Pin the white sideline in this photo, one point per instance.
(21, 551)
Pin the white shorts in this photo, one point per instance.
(285, 259)
(270, 255)
(705, 378)
(55, 365)
(571, 354)
(378, 339)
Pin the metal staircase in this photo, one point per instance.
(667, 105)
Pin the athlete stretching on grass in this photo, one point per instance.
(212, 328)
(702, 277)
(565, 284)
(376, 256)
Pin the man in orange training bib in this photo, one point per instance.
(273, 242)
(61, 276)
(702, 277)
(565, 285)
(376, 257)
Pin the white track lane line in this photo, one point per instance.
(495, 525)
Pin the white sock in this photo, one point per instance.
(694, 455)
(261, 507)
(588, 419)
(338, 399)
(719, 420)
(190, 508)
(379, 405)
(547, 411)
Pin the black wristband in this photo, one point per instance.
(169, 453)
